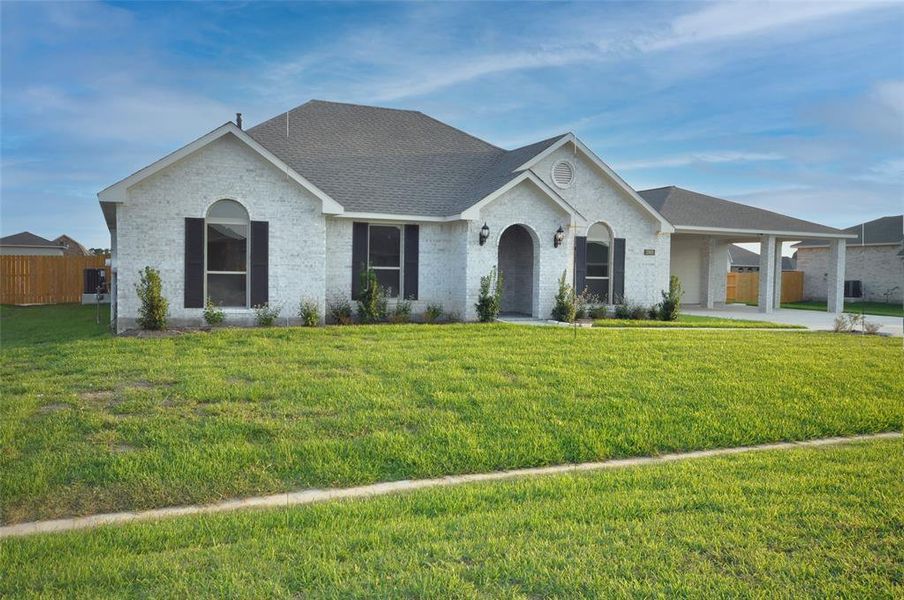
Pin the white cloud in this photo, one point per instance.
(683, 160)
(725, 20)
(887, 171)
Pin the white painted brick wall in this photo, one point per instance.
(598, 198)
(151, 228)
(878, 267)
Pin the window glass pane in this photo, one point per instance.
(597, 270)
(597, 252)
(226, 247)
(226, 290)
(599, 288)
(388, 279)
(227, 209)
(385, 246)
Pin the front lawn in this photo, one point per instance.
(96, 424)
(696, 321)
(816, 522)
(867, 308)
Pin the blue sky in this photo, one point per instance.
(792, 106)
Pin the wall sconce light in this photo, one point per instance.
(559, 237)
(484, 234)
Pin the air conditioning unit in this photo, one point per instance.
(853, 288)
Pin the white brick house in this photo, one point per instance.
(294, 208)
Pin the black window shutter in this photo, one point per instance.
(260, 262)
(412, 234)
(580, 263)
(618, 281)
(194, 263)
(359, 256)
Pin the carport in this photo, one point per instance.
(705, 226)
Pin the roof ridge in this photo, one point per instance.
(461, 131)
(408, 110)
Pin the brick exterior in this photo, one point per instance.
(310, 253)
(878, 267)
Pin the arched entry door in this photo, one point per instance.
(516, 264)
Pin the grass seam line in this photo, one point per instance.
(311, 496)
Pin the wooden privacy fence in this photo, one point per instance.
(744, 287)
(45, 279)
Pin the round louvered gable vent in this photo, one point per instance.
(563, 173)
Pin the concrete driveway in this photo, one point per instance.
(811, 319)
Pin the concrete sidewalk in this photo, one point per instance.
(811, 319)
(381, 489)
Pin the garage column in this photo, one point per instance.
(835, 283)
(766, 297)
(778, 275)
(714, 269)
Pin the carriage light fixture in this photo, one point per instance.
(559, 237)
(484, 234)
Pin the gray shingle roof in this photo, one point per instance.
(684, 208)
(884, 230)
(742, 257)
(26, 238)
(384, 160)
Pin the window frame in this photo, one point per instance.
(608, 264)
(401, 267)
(247, 272)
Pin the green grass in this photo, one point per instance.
(802, 523)
(696, 321)
(104, 423)
(55, 323)
(867, 308)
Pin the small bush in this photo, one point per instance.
(670, 306)
(154, 307)
(583, 303)
(841, 324)
(401, 313)
(309, 312)
(339, 310)
(655, 312)
(433, 313)
(490, 297)
(372, 299)
(871, 327)
(213, 314)
(453, 317)
(266, 315)
(564, 308)
(639, 312)
(598, 312)
(622, 311)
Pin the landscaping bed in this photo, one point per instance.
(695, 321)
(794, 523)
(99, 423)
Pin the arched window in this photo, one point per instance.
(599, 242)
(226, 253)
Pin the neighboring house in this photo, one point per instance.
(29, 244)
(874, 270)
(298, 206)
(71, 247)
(742, 260)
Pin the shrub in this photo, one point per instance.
(372, 299)
(871, 327)
(401, 313)
(639, 312)
(598, 312)
(309, 312)
(213, 314)
(266, 315)
(583, 303)
(490, 297)
(564, 310)
(671, 301)
(622, 310)
(433, 313)
(339, 310)
(154, 307)
(841, 324)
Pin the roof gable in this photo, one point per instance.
(881, 231)
(27, 238)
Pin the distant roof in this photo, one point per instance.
(742, 257)
(70, 241)
(685, 208)
(884, 230)
(382, 160)
(26, 238)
